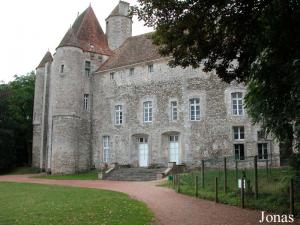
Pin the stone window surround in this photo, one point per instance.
(118, 112)
(106, 148)
(147, 110)
(170, 109)
(140, 111)
(239, 109)
(228, 100)
(238, 132)
(113, 119)
(193, 103)
(186, 105)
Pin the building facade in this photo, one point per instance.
(106, 98)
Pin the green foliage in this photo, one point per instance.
(273, 188)
(16, 107)
(251, 41)
(27, 204)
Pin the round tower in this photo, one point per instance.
(118, 25)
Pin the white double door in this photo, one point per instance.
(174, 149)
(143, 152)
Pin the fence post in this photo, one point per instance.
(216, 186)
(202, 173)
(236, 173)
(178, 183)
(196, 186)
(242, 193)
(225, 175)
(174, 180)
(255, 177)
(267, 168)
(292, 207)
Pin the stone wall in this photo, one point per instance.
(211, 136)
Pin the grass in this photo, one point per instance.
(89, 175)
(273, 188)
(34, 204)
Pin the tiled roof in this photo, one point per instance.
(47, 58)
(134, 50)
(87, 34)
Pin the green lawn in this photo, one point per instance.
(273, 188)
(89, 175)
(33, 204)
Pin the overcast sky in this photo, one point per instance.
(29, 28)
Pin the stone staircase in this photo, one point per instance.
(134, 174)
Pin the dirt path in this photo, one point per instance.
(169, 207)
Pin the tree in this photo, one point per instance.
(256, 42)
(16, 107)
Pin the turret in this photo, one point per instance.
(71, 97)
(118, 25)
(38, 146)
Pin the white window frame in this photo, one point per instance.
(194, 106)
(147, 112)
(264, 149)
(240, 132)
(239, 152)
(118, 115)
(106, 147)
(86, 102)
(237, 103)
(174, 110)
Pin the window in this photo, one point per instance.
(105, 149)
(239, 151)
(262, 150)
(118, 115)
(148, 112)
(150, 68)
(112, 74)
(131, 71)
(174, 110)
(86, 102)
(92, 55)
(87, 68)
(238, 133)
(100, 58)
(194, 109)
(62, 68)
(237, 103)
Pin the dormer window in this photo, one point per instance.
(112, 74)
(87, 68)
(150, 68)
(131, 71)
(62, 68)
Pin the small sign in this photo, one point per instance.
(240, 183)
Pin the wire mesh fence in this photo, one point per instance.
(252, 182)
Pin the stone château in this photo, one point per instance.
(110, 97)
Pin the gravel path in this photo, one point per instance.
(169, 207)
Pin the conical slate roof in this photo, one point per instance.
(47, 58)
(87, 34)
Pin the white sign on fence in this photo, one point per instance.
(240, 183)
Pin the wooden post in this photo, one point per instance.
(242, 193)
(225, 175)
(255, 177)
(178, 183)
(267, 168)
(174, 177)
(202, 172)
(196, 186)
(216, 185)
(236, 173)
(292, 206)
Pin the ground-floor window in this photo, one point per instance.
(239, 151)
(262, 150)
(105, 149)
